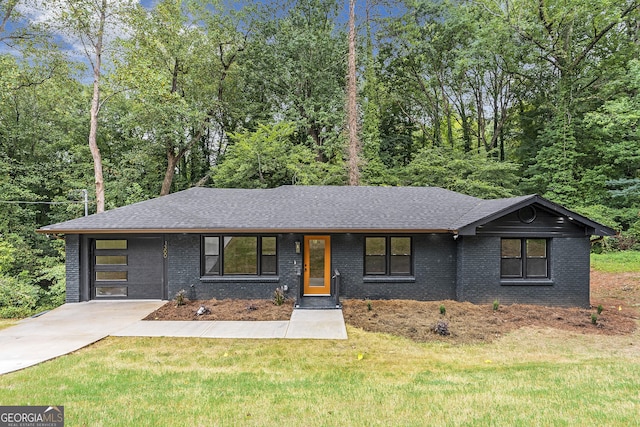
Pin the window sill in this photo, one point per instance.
(526, 282)
(389, 279)
(248, 279)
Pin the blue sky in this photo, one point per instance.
(75, 52)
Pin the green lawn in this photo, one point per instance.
(616, 262)
(532, 377)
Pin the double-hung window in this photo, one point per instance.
(388, 255)
(524, 259)
(239, 255)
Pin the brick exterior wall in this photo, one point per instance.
(466, 269)
(479, 274)
(184, 272)
(434, 278)
(72, 263)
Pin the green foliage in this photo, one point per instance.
(296, 71)
(53, 295)
(468, 173)
(496, 305)
(18, 298)
(29, 281)
(267, 158)
(599, 309)
(7, 259)
(594, 319)
(443, 310)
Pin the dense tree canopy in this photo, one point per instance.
(491, 98)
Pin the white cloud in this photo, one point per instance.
(48, 13)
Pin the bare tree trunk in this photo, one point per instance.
(352, 106)
(95, 110)
(173, 158)
(172, 161)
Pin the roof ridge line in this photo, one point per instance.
(453, 223)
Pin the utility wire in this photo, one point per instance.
(85, 202)
(17, 202)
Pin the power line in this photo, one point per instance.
(18, 202)
(85, 202)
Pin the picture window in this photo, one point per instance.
(391, 255)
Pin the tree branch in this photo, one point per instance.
(633, 6)
(10, 6)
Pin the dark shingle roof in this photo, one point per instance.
(295, 208)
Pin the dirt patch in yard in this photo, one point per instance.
(619, 295)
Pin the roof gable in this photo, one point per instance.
(493, 210)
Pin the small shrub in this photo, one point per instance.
(181, 297)
(18, 298)
(594, 319)
(53, 295)
(443, 309)
(496, 305)
(369, 305)
(442, 328)
(600, 309)
(278, 296)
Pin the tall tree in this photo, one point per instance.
(297, 72)
(92, 24)
(180, 67)
(570, 45)
(352, 100)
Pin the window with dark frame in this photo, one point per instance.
(239, 255)
(524, 259)
(387, 256)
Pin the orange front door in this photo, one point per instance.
(317, 265)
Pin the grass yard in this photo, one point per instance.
(531, 376)
(616, 262)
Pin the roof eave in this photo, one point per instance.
(244, 231)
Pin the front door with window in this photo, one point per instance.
(317, 265)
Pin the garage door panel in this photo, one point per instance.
(135, 272)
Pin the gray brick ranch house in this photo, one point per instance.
(420, 243)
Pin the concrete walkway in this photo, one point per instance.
(304, 324)
(73, 326)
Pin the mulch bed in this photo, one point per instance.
(619, 295)
(227, 309)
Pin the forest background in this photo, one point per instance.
(491, 98)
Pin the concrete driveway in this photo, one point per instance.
(66, 329)
(73, 326)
